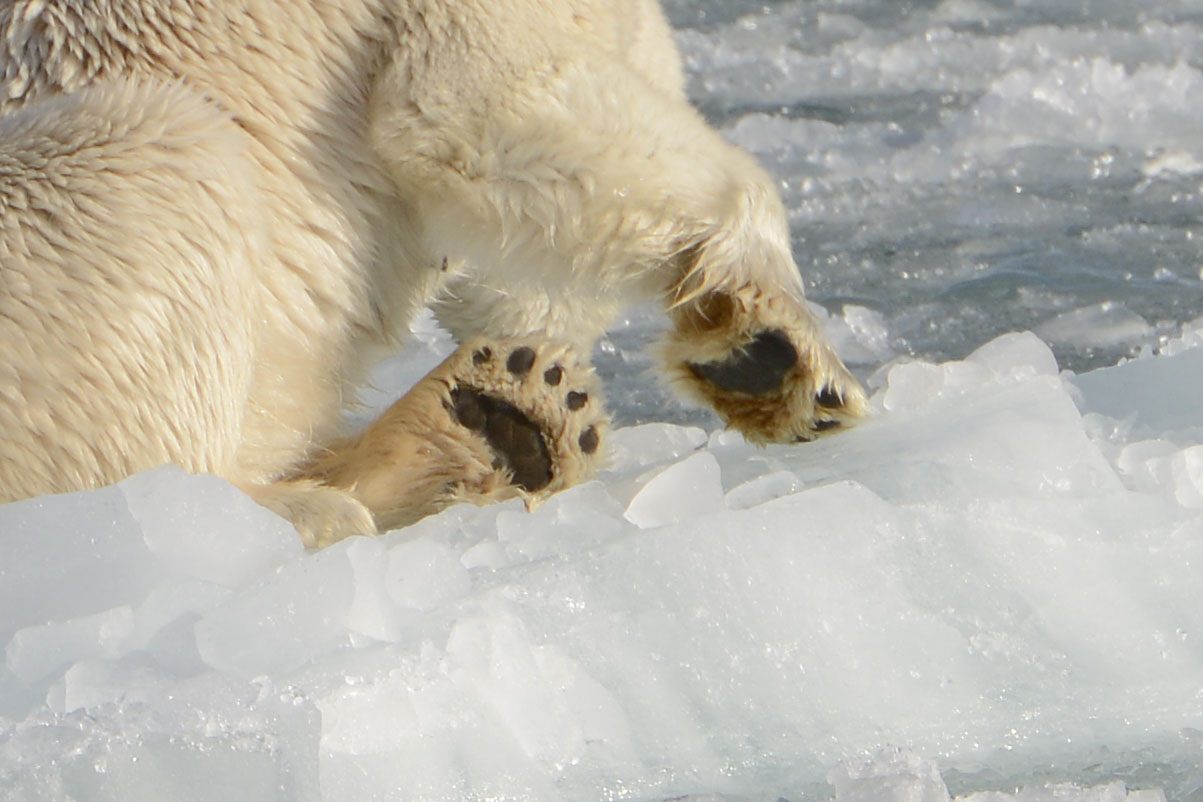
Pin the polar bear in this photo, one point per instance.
(216, 214)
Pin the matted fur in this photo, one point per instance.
(214, 214)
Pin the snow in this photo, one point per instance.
(989, 580)
(988, 592)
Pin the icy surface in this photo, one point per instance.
(990, 591)
(991, 585)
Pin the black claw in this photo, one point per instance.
(577, 400)
(589, 440)
(757, 369)
(553, 375)
(516, 441)
(482, 356)
(521, 361)
(825, 425)
(829, 398)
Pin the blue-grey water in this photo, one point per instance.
(962, 169)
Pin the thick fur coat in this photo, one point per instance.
(215, 214)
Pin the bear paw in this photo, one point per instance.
(535, 408)
(761, 362)
(497, 419)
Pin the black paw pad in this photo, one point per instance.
(577, 400)
(468, 408)
(553, 375)
(756, 369)
(589, 440)
(514, 438)
(521, 361)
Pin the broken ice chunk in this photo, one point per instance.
(690, 488)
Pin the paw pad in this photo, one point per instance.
(514, 437)
(521, 361)
(589, 440)
(756, 369)
(758, 357)
(541, 437)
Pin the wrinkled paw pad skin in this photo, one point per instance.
(514, 438)
(537, 409)
(757, 369)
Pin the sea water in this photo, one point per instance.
(956, 170)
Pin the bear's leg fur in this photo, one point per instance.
(497, 419)
(577, 185)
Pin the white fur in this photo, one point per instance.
(214, 213)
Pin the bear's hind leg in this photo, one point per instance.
(321, 514)
(498, 419)
(127, 293)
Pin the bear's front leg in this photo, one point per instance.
(573, 186)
